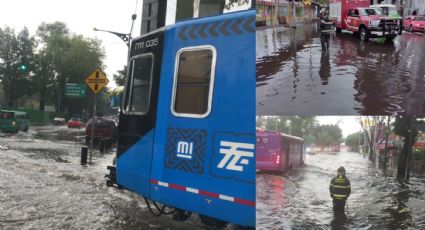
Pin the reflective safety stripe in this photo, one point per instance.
(328, 23)
(336, 195)
(337, 186)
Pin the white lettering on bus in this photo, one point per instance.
(146, 44)
(233, 155)
(184, 149)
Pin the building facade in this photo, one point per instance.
(282, 12)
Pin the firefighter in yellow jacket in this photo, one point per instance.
(340, 190)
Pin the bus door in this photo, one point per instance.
(204, 154)
(138, 116)
(285, 153)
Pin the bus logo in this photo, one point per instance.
(184, 149)
(235, 155)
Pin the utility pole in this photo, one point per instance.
(293, 15)
(409, 149)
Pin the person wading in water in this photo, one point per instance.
(325, 29)
(340, 189)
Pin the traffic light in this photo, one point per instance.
(23, 67)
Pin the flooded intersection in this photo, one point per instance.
(43, 186)
(294, 76)
(301, 199)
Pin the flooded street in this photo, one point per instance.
(294, 76)
(301, 199)
(43, 186)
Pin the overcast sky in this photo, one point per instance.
(81, 16)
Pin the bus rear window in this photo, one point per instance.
(193, 82)
(140, 81)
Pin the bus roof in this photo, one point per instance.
(13, 111)
(284, 135)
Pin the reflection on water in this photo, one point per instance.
(301, 200)
(294, 76)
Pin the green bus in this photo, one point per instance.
(13, 121)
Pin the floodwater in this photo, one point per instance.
(294, 76)
(43, 186)
(300, 199)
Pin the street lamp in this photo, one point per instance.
(125, 37)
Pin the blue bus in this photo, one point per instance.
(186, 134)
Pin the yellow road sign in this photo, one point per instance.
(97, 80)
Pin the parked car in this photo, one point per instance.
(75, 123)
(13, 121)
(103, 128)
(59, 121)
(414, 23)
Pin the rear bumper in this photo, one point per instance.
(268, 166)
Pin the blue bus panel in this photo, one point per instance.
(193, 146)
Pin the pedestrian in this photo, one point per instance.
(340, 189)
(325, 29)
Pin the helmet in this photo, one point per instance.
(341, 170)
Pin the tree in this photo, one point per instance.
(372, 128)
(324, 139)
(17, 55)
(327, 135)
(119, 77)
(54, 38)
(405, 126)
(43, 79)
(354, 140)
(73, 58)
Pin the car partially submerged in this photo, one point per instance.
(59, 121)
(104, 128)
(75, 123)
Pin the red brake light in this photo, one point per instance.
(277, 159)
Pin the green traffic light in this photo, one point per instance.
(23, 67)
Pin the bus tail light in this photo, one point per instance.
(277, 159)
(13, 123)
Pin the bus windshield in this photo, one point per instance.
(140, 84)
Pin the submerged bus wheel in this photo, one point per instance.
(212, 221)
(181, 215)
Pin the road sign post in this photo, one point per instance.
(96, 81)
